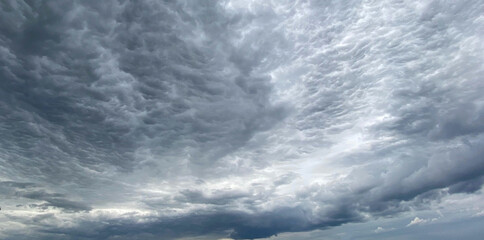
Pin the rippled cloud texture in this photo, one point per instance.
(241, 119)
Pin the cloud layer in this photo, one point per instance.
(240, 119)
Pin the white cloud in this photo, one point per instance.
(379, 230)
(479, 214)
(420, 221)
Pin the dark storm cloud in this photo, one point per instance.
(99, 89)
(469, 186)
(240, 225)
(159, 120)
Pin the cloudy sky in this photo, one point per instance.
(238, 119)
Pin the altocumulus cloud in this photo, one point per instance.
(236, 119)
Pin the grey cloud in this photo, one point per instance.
(469, 186)
(20, 185)
(35, 192)
(240, 225)
(285, 179)
(237, 119)
(77, 79)
(219, 197)
(54, 200)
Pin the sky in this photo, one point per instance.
(240, 119)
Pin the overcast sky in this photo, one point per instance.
(239, 119)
